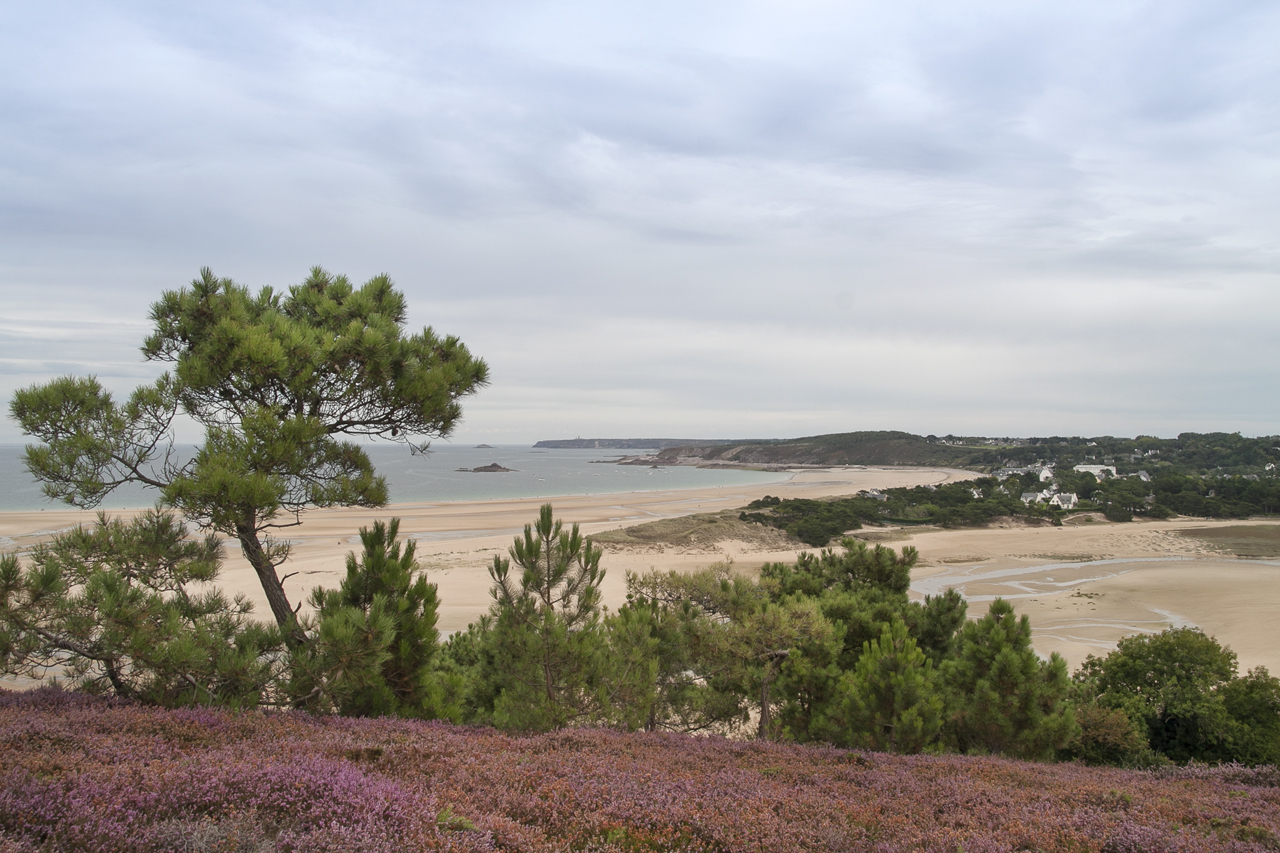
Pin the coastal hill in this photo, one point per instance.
(627, 443)
(1205, 454)
(848, 448)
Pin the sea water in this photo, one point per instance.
(434, 476)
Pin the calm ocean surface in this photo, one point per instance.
(434, 477)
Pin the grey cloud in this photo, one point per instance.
(834, 217)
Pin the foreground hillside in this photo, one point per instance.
(85, 774)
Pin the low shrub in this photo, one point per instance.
(81, 774)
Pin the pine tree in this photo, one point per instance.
(891, 702)
(539, 661)
(676, 623)
(1005, 699)
(376, 636)
(128, 609)
(740, 643)
(857, 567)
(275, 380)
(766, 640)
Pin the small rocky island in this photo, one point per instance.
(491, 468)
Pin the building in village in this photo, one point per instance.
(1064, 500)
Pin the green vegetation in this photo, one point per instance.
(817, 522)
(1007, 701)
(1216, 475)
(827, 648)
(981, 500)
(374, 638)
(1217, 454)
(891, 701)
(1214, 453)
(273, 379)
(113, 609)
(1180, 691)
(539, 655)
(1215, 496)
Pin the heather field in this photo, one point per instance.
(95, 775)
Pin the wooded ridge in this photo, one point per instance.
(1189, 453)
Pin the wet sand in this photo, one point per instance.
(1086, 586)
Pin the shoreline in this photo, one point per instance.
(1083, 585)
(457, 540)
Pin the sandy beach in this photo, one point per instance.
(1083, 585)
(456, 541)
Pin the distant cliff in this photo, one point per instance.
(626, 443)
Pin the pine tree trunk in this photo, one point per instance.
(766, 718)
(253, 551)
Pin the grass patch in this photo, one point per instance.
(888, 535)
(1261, 540)
(701, 530)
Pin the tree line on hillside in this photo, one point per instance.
(1214, 453)
(826, 649)
(1190, 453)
(979, 501)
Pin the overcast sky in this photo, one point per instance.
(689, 219)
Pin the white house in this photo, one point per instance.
(1044, 472)
(1099, 471)
(1064, 500)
